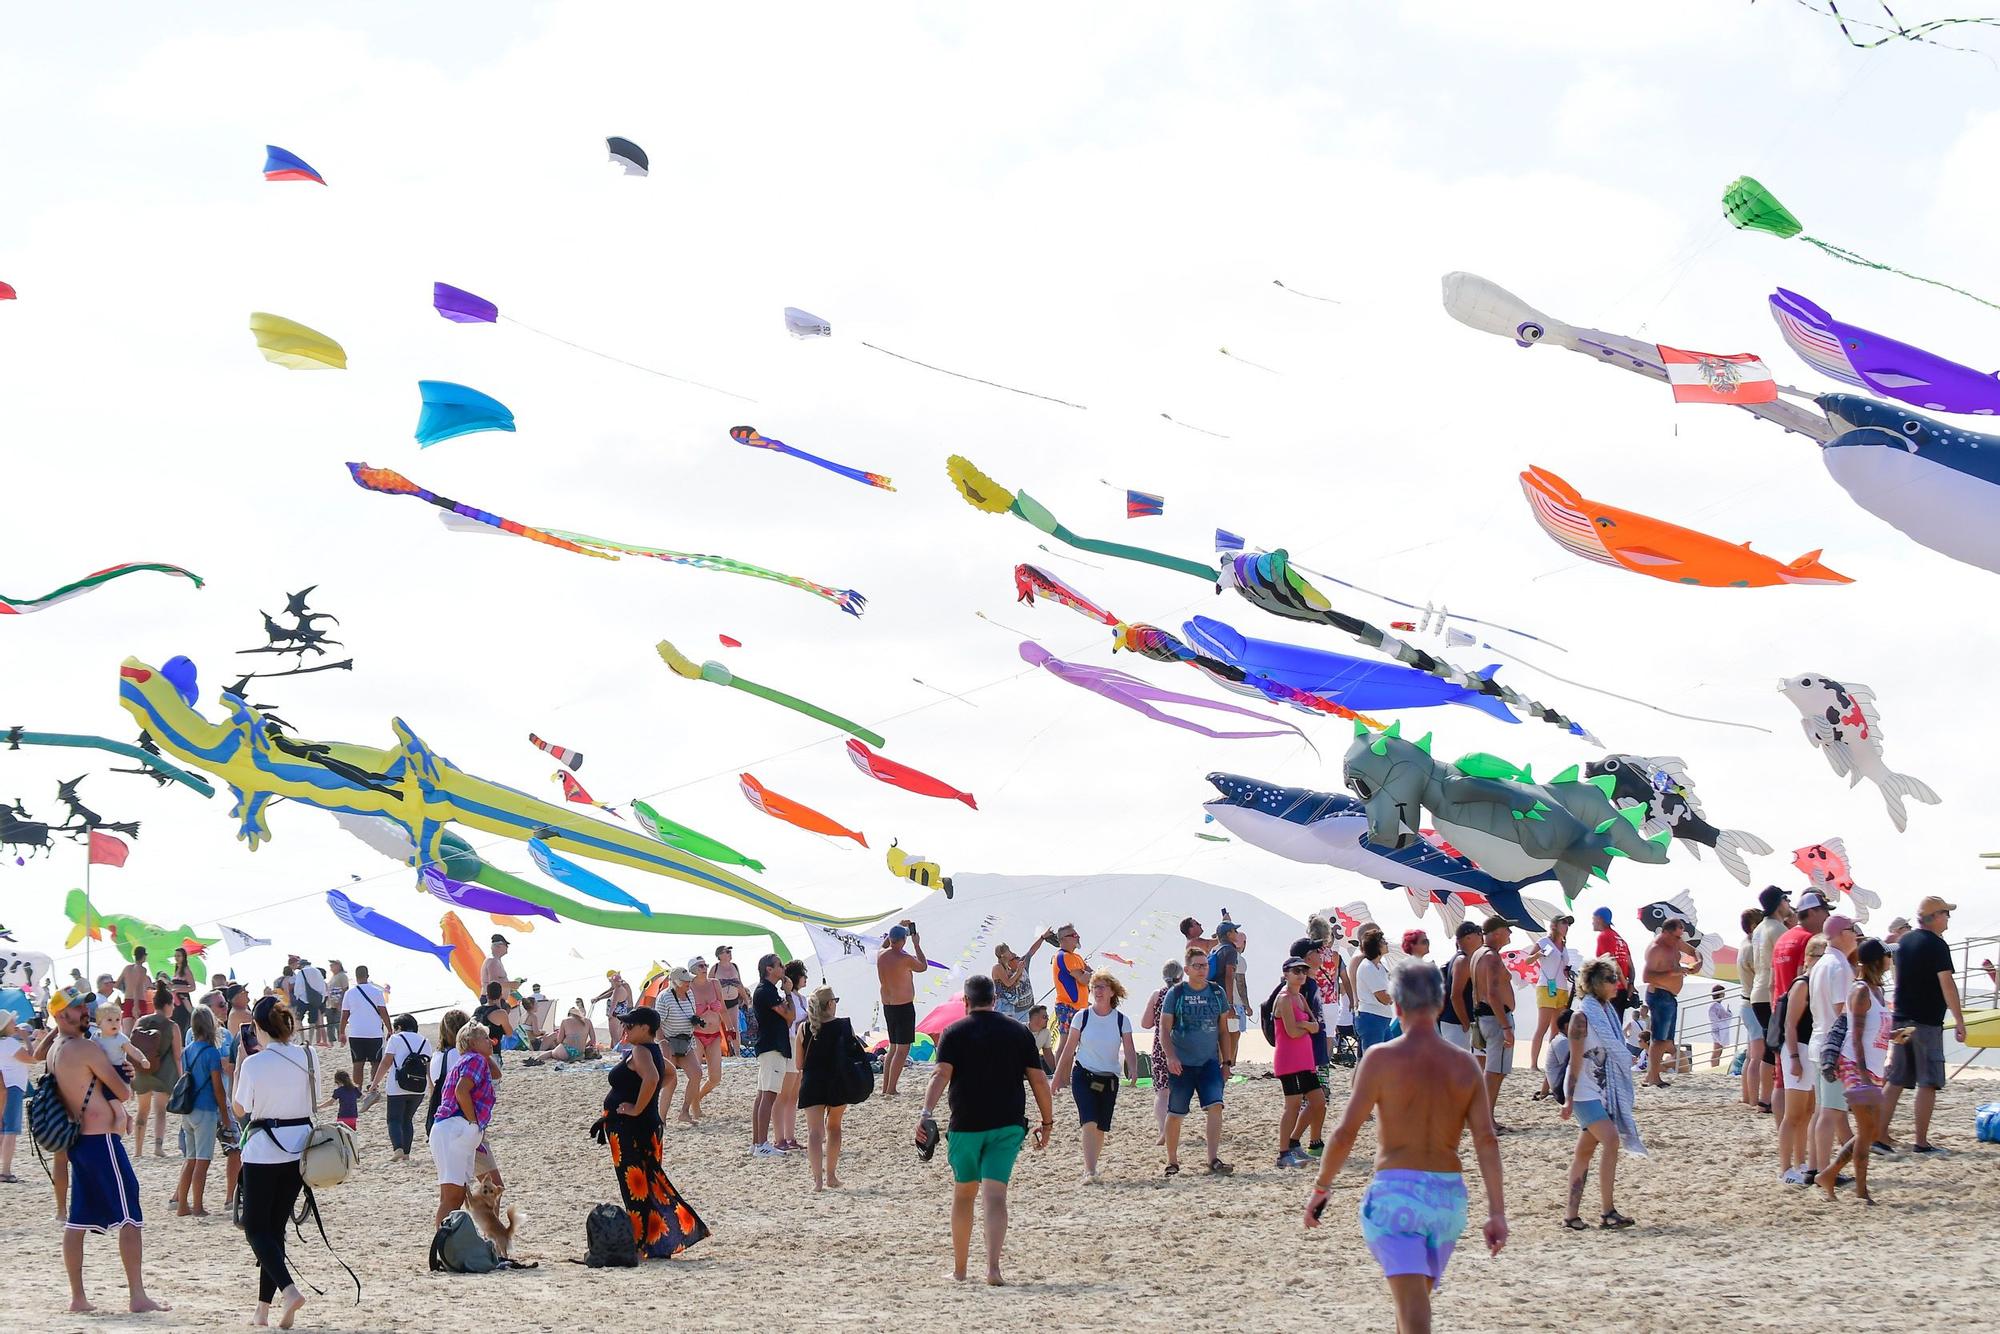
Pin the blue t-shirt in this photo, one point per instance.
(1197, 1022)
(201, 1060)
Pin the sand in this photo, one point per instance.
(1720, 1244)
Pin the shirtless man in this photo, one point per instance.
(104, 1191)
(1493, 1005)
(1429, 1094)
(135, 985)
(1455, 1020)
(1665, 968)
(897, 969)
(617, 1000)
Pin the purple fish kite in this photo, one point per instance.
(1139, 696)
(478, 898)
(463, 307)
(1856, 356)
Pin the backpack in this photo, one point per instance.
(1266, 1019)
(150, 1039)
(413, 1071)
(1986, 1122)
(856, 1073)
(53, 1127)
(607, 1239)
(460, 1248)
(330, 1156)
(314, 996)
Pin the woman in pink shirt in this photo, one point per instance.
(1292, 1027)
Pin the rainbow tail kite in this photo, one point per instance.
(389, 482)
(90, 583)
(747, 435)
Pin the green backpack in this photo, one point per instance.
(460, 1248)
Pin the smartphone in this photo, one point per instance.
(1318, 1206)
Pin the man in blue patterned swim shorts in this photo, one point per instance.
(1428, 1093)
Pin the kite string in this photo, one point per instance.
(974, 378)
(1842, 253)
(622, 362)
(1599, 690)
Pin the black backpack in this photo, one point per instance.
(607, 1239)
(1265, 1018)
(413, 1072)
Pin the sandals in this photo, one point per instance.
(1218, 1168)
(1173, 1169)
(1576, 1224)
(1615, 1221)
(1539, 1096)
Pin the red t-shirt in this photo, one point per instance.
(1612, 945)
(1787, 957)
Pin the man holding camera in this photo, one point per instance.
(897, 969)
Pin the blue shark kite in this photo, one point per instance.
(1331, 829)
(411, 787)
(1362, 684)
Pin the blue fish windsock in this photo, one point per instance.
(371, 923)
(1362, 684)
(568, 873)
(280, 165)
(451, 410)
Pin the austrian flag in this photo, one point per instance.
(1716, 377)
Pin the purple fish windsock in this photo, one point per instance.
(462, 307)
(1883, 365)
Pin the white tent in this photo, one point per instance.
(1129, 925)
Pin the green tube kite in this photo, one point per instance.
(156, 767)
(983, 493)
(718, 674)
(688, 840)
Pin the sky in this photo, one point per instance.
(1084, 203)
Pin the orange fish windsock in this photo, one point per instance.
(468, 961)
(791, 812)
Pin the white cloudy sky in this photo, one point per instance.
(1087, 203)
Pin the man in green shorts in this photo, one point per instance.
(983, 1059)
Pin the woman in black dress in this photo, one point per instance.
(828, 1082)
(662, 1223)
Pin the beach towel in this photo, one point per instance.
(1614, 1075)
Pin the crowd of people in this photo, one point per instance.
(1836, 1027)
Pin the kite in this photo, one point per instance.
(1511, 826)
(239, 940)
(468, 961)
(574, 791)
(628, 155)
(1661, 787)
(1189, 426)
(372, 923)
(153, 765)
(1031, 581)
(389, 482)
(748, 435)
(280, 165)
(983, 493)
(299, 638)
(463, 307)
(846, 599)
(7, 292)
(1211, 838)
(912, 867)
(90, 583)
(1357, 683)
(1751, 207)
(451, 410)
(1913, 33)
(1331, 829)
(1680, 908)
(1139, 696)
(791, 812)
(290, 344)
(1666, 551)
(903, 776)
(1840, 721)
(805, 324)
(1246, 361)
(727, 642)
(20, 830)
(993, 384)
(1144, 505)
(83, 820)
(413, 789)
(688, 840)
(128, 932)
(573, 759)
(1825, 865)
(1867, 360)
(717, 674)
(1307, 295)
(578, 878)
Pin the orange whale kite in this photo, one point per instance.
(792, 812)
(1655, 547)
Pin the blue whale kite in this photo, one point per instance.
(1938, 483)
(1362, 684)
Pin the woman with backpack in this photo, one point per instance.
(157, 1036)
(275, 1092)
(202, 1060)
(406, 1060)
(1290, 1026)
(1096, 1053)
(829, 1082)
(662, 1223)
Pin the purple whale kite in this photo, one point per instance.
(1365, 684)
(1867, 360)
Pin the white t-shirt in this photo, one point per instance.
(13, 1074)
(363, 1019)
(279, 1083)
(299, 981)
(1101, 1049)
(394, 1050)
(1718, 1023)
(1556, 963)
(1826, 989)
(1369, 978)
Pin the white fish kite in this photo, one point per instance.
(1841, 721)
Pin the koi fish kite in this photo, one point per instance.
(1841, 723)
(1825, 865)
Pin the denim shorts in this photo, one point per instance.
(1204, 1081)
(1589, 1114)
(10, 1120)
(1753, 1028)
(1666, 1008)
(198, 1133)
(1093, 1108)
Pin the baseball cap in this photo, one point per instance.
(63, 999)
(899, 932)
(1294, 962)
(611, 972)
(1838, 923)
(697, 962)
(1899, 924)
(1601, 915)
(499, 939)
(1932, 903)
(1811, 899)
(1560, 918)
(1771, 897)
(1466, 928)
(1303, 946)
(680, 977)
(1496, 923)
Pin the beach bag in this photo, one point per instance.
(149, 1040)
(1559, 1072)
(330, 1156)
(607, 1239)
(1986, 1122)
(52, 1125)
(857, 1075)
(1266, 1020)
(314, 996)
(460, 1248)
(413, 1071)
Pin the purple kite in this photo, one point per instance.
(478, 898)
(1139, 696)
(462, 307)
(1856, 356)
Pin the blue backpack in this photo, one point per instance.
(1986, 1120)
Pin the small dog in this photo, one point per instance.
(498, 1218)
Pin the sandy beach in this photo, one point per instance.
(1719, 1243)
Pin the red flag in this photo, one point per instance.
(1717, 377)
(107, 849)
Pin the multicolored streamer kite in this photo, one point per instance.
(748, 435)
(846, 599)
(387, 929)
(690, 841)
(389, 482)
(573, 759)
(888, 771)
(90, 583)
(717, 674)
(791, 812)
(1140, 696)
(573, 876)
